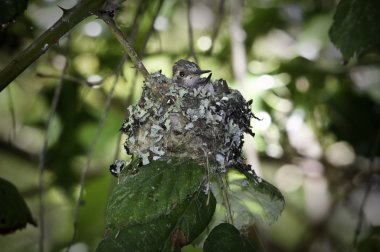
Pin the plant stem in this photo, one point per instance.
(50, 37)
(125, 43)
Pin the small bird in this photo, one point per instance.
(188, 74)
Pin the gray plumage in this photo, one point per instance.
(188, 74)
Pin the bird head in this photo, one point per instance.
(187, 73)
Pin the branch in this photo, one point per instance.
(50, 37)
(151, 28)
(217, 26)
(190, 31)
(239, 58)
(42, 158)
(108, 19)
(143, 5)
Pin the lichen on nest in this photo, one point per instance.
(204, 121)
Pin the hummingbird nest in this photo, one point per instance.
(188, 117)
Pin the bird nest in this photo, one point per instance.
(188, 117)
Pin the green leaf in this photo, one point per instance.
(165, 233)
(253, 199)
(226, 238)
(192, 221)
(153, 191)
(157, 207)
(14, 213)
(356, 26)
(371, 242)
(9, 9)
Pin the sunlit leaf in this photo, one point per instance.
(253, 199)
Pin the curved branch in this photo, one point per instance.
(108, 19)
(217, 26)
(50, 37)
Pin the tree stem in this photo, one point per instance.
(108, 19)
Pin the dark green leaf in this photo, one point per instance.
(356, 26)
(9, 9)
(192, 221)
(14, 213)
(157, 207)
(354, 118)
(252, 198)
(226, 238)
(153, 191)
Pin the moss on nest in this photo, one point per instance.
(205, 123)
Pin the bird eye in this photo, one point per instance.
(182, 74)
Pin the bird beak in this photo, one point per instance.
(199, 72)
(204, 81)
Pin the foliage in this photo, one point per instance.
(173, 211)
(353, 31)
(14, 213)
(225, 237)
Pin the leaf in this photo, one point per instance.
(153, 191)
(192, 221)
(226, 238)
(161, 208)
(355, 28)
(14, 213)
(10, 9)
(371, 242)
(253, 199)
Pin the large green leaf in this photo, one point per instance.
(192, 221)
(226, 238)
(356, 26)
(164, 233)
(157, 207)
(14, 213)
(153, 191)
(253, 199)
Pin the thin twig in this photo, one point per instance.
(136, 20)
(217, 26)
(132, 37)
(13, 115)
(108, 19)
(42, 157)
(63, 77)
(117, 74)
(135, 26)
(224, 187)
(239, 58)
(142, 50)
(90, 153)
(368, 187)
(151, 28)
(190, 31)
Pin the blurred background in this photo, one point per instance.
(316, 141)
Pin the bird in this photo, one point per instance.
(188, 74)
